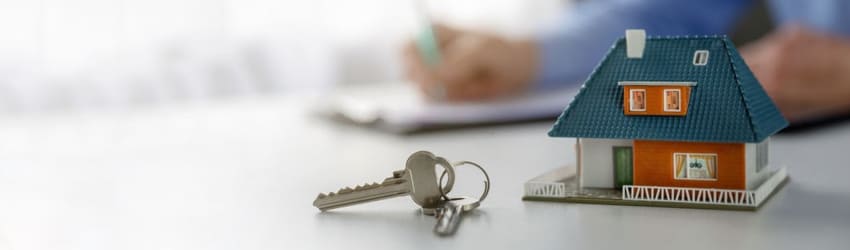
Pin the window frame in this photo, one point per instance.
(687, 156)
(679, 97)
(632, 100)
(696, 56)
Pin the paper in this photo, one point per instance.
(401, 108)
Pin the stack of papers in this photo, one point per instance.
(401, 108)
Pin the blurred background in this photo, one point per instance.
(73, 55)
(182, 124)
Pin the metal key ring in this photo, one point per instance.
(447, 168)
(486, 181)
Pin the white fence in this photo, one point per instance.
(542, 189)
(706, 195)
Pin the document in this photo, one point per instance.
(400, 108)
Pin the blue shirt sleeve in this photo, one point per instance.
(827, 16)
(572, 48)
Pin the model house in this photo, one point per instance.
(672, 121)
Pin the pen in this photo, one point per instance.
(429, 48)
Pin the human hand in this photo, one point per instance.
(474, 66)
(805, 72)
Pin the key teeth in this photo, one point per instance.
(365, 186)
(365, 192)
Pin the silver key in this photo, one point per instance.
(418, 179)
(450, 214)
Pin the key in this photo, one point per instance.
(450, 214)
(418, 180)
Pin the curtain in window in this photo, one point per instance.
(672, 100)
(680, 166)
(695, 166)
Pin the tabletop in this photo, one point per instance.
(243, 173)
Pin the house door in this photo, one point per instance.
(622, 166)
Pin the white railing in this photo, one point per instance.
(770, 184)
(706, 195)
(689, 195)
(542, 189)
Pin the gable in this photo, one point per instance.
(727, 104)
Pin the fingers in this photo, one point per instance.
(415, 68)
(452, 77)
(468, 67)
(412, 61)
(464, 61)
(446, 34)
(463, 72)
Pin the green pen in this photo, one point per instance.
(429, 48)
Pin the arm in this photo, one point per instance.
(804, 71)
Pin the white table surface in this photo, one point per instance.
(242, 174)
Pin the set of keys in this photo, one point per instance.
(419, 181)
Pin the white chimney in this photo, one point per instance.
(635, 42)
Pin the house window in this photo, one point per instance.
(761, 156)
(687, 166)
(672, 100)
(701, 57)
(637, 100)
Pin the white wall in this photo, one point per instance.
(596, 161)
(754, 179)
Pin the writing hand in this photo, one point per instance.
(474, 65)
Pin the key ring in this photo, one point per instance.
(486, 181)
(447, 168)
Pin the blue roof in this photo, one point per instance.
(727, 104)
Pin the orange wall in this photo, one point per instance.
(653, 164)
(655, 100)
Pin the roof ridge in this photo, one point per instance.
(735, 74)
(682, 37)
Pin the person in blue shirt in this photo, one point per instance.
(804, 64)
